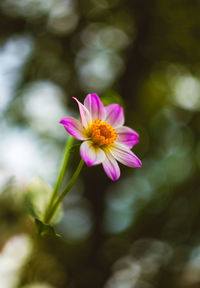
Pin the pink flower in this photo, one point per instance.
(105, 139)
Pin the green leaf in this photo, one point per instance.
(7, 187)
(45, 229)
(75, 148)
(37, 199)
(111, 97)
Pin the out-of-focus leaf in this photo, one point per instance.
(111, 97)
(45, 229)
(37, 199)
(8, 185)
(75, 148)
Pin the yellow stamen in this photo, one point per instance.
(102, 133)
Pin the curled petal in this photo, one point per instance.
(92, 155)
(111, 167)
(114, 115)
(73, 127)
(85, 115)
(94, 105)
(125, 155)
(127, 136)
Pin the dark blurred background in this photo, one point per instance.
(142, 231)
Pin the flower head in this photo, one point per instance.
(105, 138)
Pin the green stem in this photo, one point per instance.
(60, 175)
(64, 192)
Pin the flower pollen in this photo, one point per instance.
(103, 134)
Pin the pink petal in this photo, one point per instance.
(73, 127)
(127, 136)
(125, 155)
(114, 115)
(92, 155)
(94, 105)
(111, 167)
(85, 115)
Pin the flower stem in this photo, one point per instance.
(60, 175)
(64, 192)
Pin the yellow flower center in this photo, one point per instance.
(102, 133)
